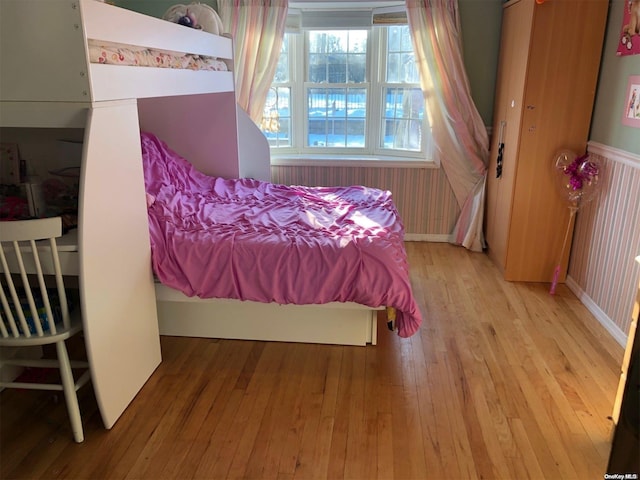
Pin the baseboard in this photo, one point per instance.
(427, 237)
(602, 317)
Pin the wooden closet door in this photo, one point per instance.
(562, 71)
(512, 68)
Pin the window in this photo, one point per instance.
(336, 89)
(346, 94)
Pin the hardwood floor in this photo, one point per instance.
(503, 381)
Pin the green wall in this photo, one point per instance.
(606, 125)
(481, 21)
(156, 8)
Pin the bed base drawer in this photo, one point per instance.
(334, 323)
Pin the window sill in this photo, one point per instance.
(315, 160)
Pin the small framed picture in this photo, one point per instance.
(631, 115)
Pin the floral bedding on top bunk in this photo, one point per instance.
(117, 54)
(251, 240)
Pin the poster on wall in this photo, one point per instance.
(630, 33)
(631, 115)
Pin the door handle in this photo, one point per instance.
(499, 160)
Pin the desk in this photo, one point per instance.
(111, 254)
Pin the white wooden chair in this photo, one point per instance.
(28, 317)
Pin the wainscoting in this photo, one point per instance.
(423, 196)
(602, 270)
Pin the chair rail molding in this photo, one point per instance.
(602, 256)
(615, 154)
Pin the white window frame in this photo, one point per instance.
(372, 154)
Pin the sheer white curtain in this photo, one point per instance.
(459, 134)
(257, 28)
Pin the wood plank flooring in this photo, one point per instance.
(503, 381)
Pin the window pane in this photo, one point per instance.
(357, 68)
(409, 70)
(317, 108)
(393, 67)
(337, 56)
(336, 117)
(394, 38)
(401, 62)
(317, 68)
(282, 69)
(337, 68)
(357, 41)
(407, 46)
(357, 102)
(404, 111)
(333, 41)
(355, 134)
(276, 117)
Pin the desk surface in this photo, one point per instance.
(68, 242)
(67, 253)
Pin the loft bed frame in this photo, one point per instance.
(48, 81)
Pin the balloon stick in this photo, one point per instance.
(556, 271)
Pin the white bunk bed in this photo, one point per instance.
(48, 81)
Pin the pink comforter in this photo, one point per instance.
(252, 240)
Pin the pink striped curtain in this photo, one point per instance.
(460, 137)
(257, 28)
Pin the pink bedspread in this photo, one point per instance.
(251, 240)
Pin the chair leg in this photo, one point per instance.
(70, 394)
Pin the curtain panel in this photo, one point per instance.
(460, 137)
(257, 28)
